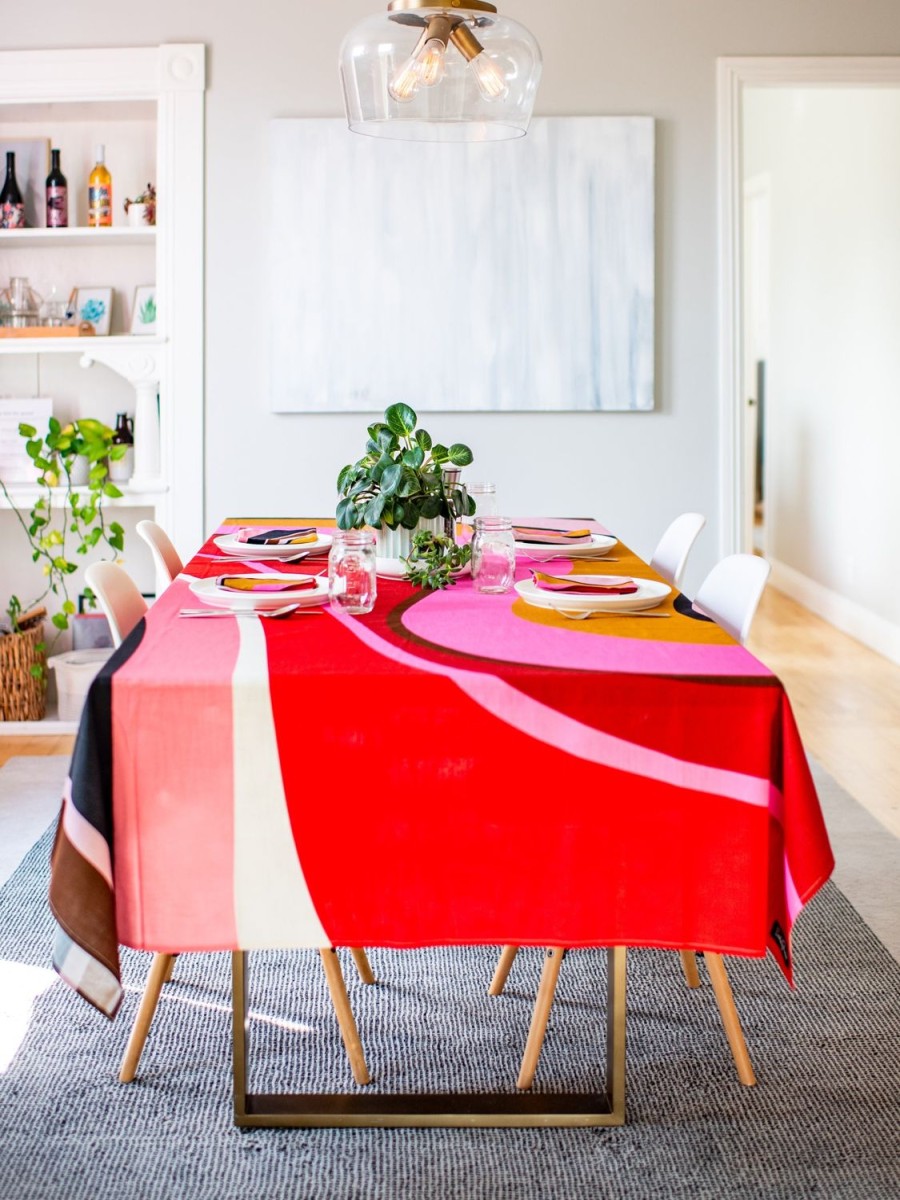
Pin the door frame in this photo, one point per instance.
(733, 75)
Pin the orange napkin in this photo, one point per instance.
(586, 585)
(549, 536)
(264, 583)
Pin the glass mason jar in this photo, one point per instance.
(352, 587)
(485, 497)
(493, 554)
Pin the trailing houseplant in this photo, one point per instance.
(435, 560)
(399, 481)
(78, 523)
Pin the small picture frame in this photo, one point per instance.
(94, 305)
(143, 314)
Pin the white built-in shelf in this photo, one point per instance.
(75, 345)
(23, 495)
(51, 724)
(113, 235)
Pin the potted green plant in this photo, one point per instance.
(399, 485)
(142, 209)
(75, 524)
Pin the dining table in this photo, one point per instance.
(519, 777)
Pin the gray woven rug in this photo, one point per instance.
(823, 1121)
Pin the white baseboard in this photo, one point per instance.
(848, 616)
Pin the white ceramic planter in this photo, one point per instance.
(397, 543)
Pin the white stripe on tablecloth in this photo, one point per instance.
(88, 841)
(273, 907)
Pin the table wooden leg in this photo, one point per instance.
(344, 1014)
(689, 963)
(541, 1015)
(730, 1018)
(159, 972)
(507, 958)
(366, 974)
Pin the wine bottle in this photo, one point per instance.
(12, 206)
(100, 192)
(57, 196)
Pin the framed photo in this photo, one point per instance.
(143, 314)
(94, 304)
(32, 168)
(15, 465)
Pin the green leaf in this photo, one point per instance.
(54, 425)
(375, 508)
(410, 518)
(344, 477)
(409, 483)
(413, 458)
(36, 671)
(387, 441)
(117, 541)
(460, 455)
(115, 527)
(68, 608)
(347, 515)
(117, 452)
(60, 620)
(439, 453)
(423, 437)
(390, 478)
(110, 489)
(401, 419)
(430, 507)
(27, 431)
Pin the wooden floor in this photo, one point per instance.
(846, 699)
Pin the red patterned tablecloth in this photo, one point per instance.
(453, 768)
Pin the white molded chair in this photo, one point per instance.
(119, 598)
(165, 556)
(671, 553)
(730, 594)
(124, 606)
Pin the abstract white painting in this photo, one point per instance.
(512, 276)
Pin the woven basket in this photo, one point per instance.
(22, 697)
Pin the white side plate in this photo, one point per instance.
(228, 544)
(206, 590)
(650, 593)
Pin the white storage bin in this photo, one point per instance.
(75, 671)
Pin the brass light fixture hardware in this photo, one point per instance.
(470, 74)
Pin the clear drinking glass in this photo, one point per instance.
(485, 497)
(493, 554)
(352, 586)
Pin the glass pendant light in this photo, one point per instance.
(430, 72)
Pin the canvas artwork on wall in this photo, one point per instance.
(512, 276)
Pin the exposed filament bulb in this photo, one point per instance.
(405, 81)
(490, 77)
(430, 62)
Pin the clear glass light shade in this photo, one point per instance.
(393, 85)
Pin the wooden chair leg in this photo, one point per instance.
(689, 963)
(344, 1014)
(507, 958)
(159, 972)
(171, 969)
(730, 1018)
(366, 974)
(539, 1018)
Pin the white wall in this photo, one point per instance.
(654, 57)
(833, 379)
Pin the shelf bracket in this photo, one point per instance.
(142, 367)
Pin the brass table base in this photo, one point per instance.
(481, 1109)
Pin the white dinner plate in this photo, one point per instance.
(228, 544)
(650, 593)
(206, 590)
(599, 545)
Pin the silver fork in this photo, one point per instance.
(284, 611)
(552, 557)
(572, 615)
(236, 558)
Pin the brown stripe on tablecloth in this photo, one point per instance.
(82, 903)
